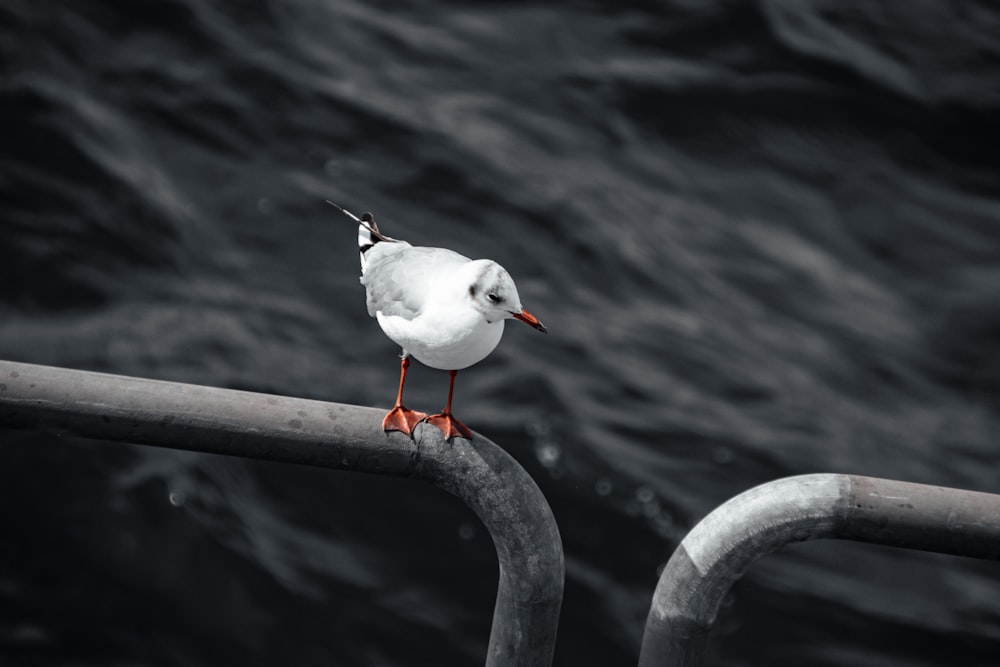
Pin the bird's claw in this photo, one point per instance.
(449, 426)
(402, 419)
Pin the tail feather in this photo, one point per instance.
(368, 233)
(368, 236)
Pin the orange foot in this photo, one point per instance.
(402, 419)
(450, 426)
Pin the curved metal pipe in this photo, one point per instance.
(329, 435)
(764, 519)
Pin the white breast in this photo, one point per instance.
(449, 341)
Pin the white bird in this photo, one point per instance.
(442, 308)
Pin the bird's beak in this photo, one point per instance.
(530, 320)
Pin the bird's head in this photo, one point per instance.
(493, 293)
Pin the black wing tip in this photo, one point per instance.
(367, 221)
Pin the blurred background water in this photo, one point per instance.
(765, 238)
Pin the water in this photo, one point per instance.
(764, 237)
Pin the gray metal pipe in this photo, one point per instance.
(329, 435)
(764, 519)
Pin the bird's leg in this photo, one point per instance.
(448, 425)
(401, 418)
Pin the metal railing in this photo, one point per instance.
(329, 435)
(764, 519)
(691, 588)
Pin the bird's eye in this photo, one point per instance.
(493, 298)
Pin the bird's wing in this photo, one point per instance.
(398, 278)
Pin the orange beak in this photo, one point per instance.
(530, 320)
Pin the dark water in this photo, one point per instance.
(765, 238)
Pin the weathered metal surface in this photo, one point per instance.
(764, 519)
(922, 517)
(330, 435)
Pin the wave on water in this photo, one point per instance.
(764, 237)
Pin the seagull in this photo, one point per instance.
(442, 308)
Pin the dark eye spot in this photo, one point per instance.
(472, 291)
(493, 298)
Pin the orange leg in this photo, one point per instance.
(447, 424)
(401, 418)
